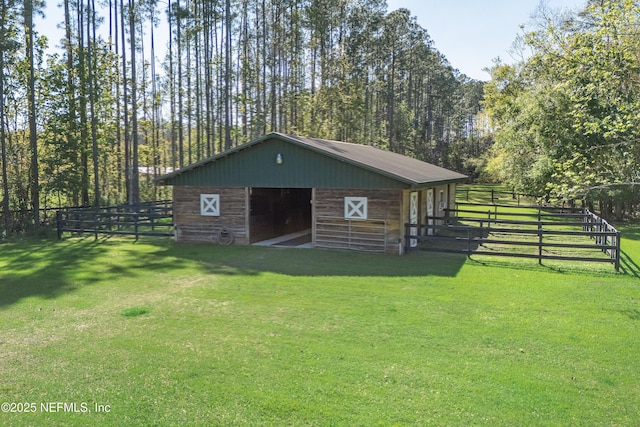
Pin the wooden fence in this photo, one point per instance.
(464, 193)
(505, 197)
(554, 233)
(146, 219)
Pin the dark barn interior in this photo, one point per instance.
(277, 212)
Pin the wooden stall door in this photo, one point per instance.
(413, 216)
(430, 211)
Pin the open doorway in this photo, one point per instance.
(280, 215)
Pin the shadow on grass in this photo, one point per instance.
(628, 265)
(629, 248)
(312, 262)
(49, 268)
(41, 267)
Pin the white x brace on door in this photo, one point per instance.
(430, 211)
(355, 208)
(210, 204)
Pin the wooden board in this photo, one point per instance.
(191, 226)
(379, 233)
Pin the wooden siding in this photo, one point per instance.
(193, 227)
(332, 230)
(387, 213)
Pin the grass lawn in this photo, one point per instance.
(124, 333)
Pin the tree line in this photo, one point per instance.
(567, 118)
(93, 123)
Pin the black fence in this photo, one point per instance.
(494, 195)
(146, 219)
(548, 234)
(508, 198)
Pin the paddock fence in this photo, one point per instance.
(145, 219)
(543, 233)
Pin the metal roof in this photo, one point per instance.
(404, 171)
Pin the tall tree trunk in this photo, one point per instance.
(91, 40)
(125, 105)
(82, 104)
(227, 77)
(118, 112)
(135, 174)
(208, 77)
(31, 95)
(172, 90)
(179, 53)
(71, 136)
(6, 213)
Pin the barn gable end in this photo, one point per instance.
(299, 168)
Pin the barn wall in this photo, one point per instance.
(332, 230)
(452, 196)
(191, 226)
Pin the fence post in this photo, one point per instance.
(600, 228)
(539, 240)
(59, 224)
(95, 226)
(135, 224)
(469, 243)
(617, 251)
(492, 196)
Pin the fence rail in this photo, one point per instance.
(147, 219)
(491, 235)
(497, 196)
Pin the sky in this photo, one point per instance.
(469, 33)
(472, 33)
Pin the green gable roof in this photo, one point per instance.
(310, 163)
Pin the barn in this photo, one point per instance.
(287, 190)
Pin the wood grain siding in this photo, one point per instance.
(191, 226)
(332, 230)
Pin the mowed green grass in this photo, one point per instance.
(166, 334)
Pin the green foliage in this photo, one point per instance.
(347, 70)
(567, 117)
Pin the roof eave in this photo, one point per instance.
(403, 180)
(431, 184)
